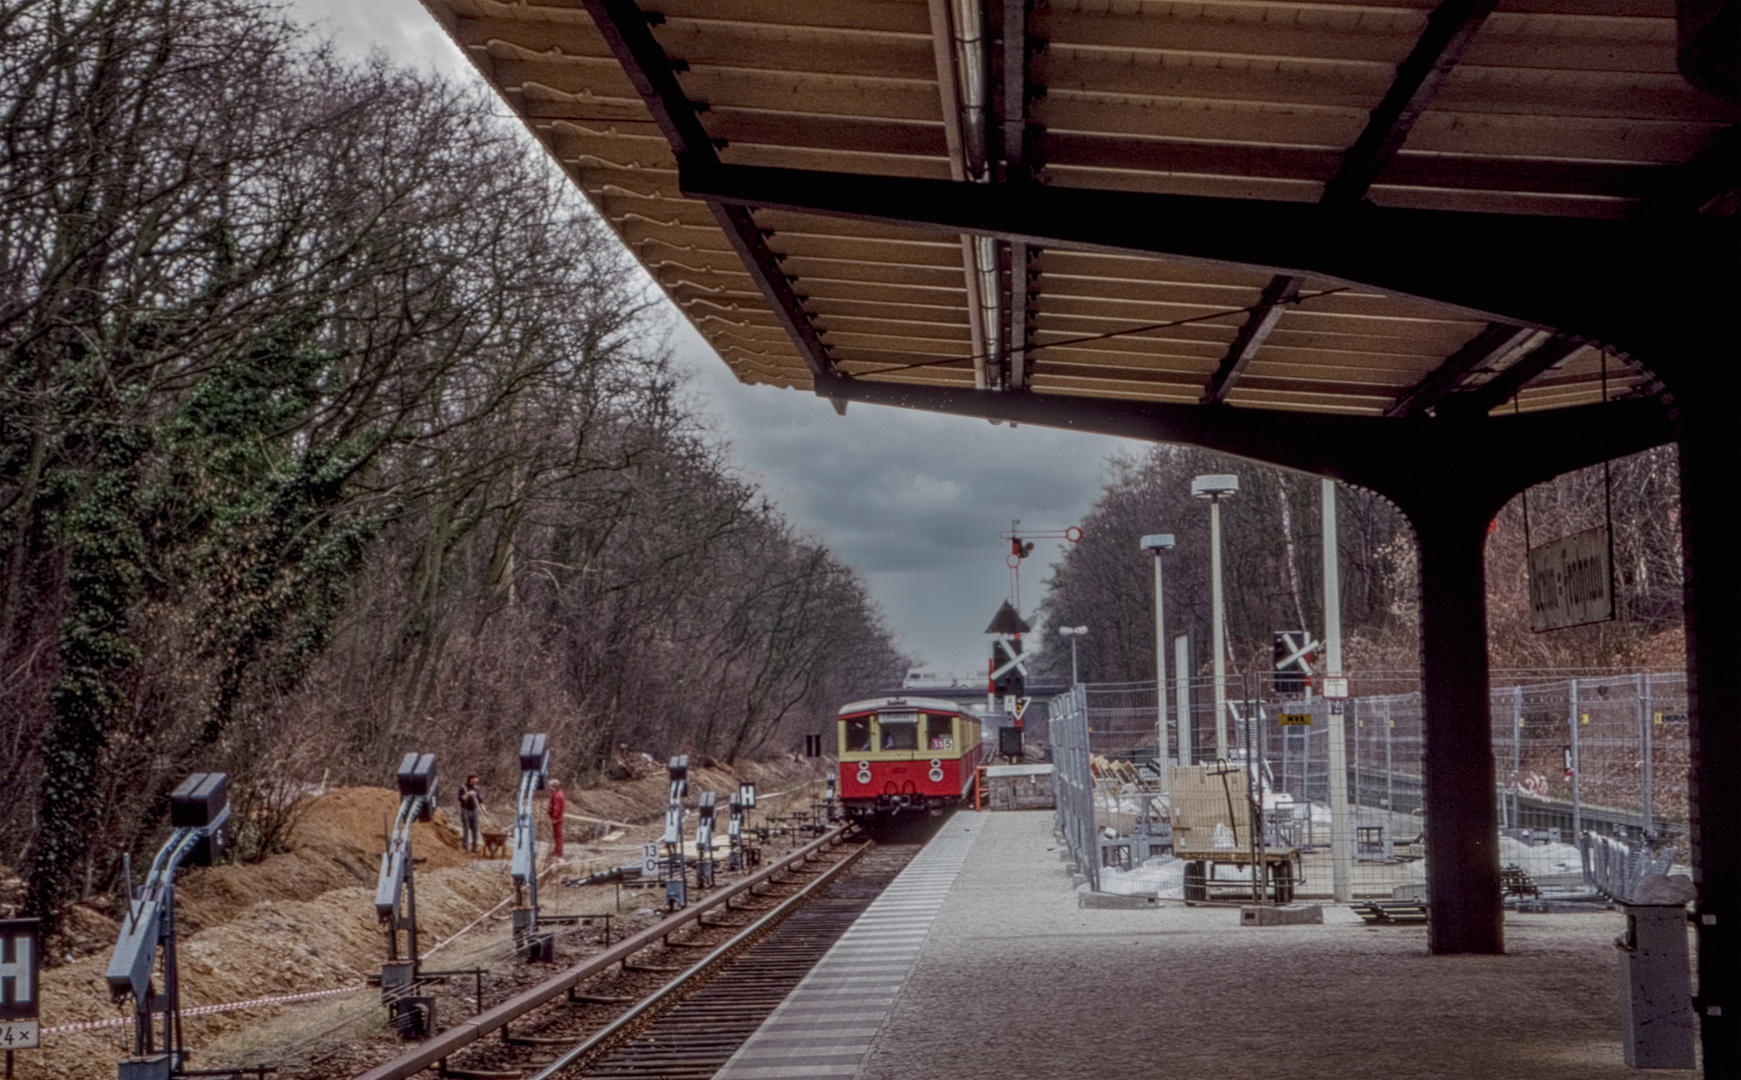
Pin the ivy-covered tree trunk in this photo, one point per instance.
(105, 557)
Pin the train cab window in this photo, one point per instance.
(900, 733)
(858, 736)
(940, 732)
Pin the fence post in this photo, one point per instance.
(1516, 753)
(1389, 791)
(1645, 719)
(1577, 789)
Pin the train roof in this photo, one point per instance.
(875, 704)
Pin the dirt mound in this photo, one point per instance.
(336, 842)
(305, 920)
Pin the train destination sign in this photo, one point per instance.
(1571, 581)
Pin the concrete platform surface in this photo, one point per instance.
(1010, 979)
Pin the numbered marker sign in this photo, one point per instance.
(20, 985)
(649, 860)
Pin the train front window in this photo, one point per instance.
(858, 736)
(900, 731)
(940, 732)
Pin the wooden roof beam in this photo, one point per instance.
(1450, 28)
(627, 31)
(1648, 269)
(1480, 350)
(1499, 389)
(1280, 291)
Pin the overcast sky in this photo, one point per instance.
(914, 501)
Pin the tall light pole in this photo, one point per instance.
(1073, 632)
(1341, 869)
(1215, 487)
(1155, 544)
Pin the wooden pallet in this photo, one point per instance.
(1392, 912)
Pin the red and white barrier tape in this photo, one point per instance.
(202, 1010)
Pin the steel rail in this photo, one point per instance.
(466, 1032)
(630, 1022)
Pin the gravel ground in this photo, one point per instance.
(1017, 981)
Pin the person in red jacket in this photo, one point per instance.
(557, 804)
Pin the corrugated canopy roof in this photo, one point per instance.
(835, 137)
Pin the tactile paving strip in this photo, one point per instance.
(826, 1027)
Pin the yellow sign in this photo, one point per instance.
(1298, 719)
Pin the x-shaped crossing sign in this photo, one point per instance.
(1016, 661)
(1297, 651)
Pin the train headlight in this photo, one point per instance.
(864, 772)
(936, 770)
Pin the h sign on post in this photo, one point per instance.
(20, 982)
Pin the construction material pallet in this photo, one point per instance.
(1515, 881)
(1392, 912)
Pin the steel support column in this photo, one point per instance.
(1464, 914)
(1713, 598)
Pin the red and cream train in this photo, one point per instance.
(906, 754)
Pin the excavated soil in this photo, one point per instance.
(305, 920)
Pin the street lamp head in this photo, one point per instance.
(1158, 542)
(1215, 486)
(1071, 631)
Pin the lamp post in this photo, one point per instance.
(1341, 870)
(1215, 487)
(1073, 632)
(1155, 544)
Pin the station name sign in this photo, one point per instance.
(1571, 581)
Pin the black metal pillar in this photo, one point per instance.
(1464, 913)
(1713, 621)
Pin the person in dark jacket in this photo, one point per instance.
(471, 804)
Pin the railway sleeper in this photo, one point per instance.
(475, 1074)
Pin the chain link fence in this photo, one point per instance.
(1601, 755)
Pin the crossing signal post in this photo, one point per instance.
(534, 772)
(396, 900)
(1008, 669)
(704, 841)
(1293, 666)
(676, 884)
(199, 811)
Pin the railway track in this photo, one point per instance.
(624, 1014)
(693, 1038)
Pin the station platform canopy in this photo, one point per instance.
(1444, 250)
(1282, 206)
